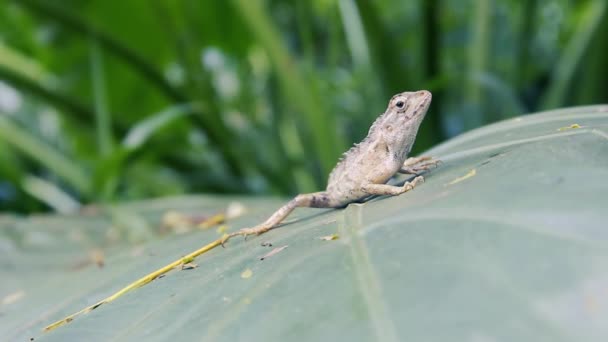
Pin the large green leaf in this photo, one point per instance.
(505, 241)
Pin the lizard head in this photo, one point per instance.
(409, 106)
(403, 116)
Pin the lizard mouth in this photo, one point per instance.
(423, 101)
(425, 96)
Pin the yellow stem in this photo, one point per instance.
(144, 280)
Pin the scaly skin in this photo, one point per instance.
(366, 167)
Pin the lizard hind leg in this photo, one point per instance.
(313, 200)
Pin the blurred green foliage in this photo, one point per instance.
(103, 101)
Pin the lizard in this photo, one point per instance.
(366, 167)
(361, 173)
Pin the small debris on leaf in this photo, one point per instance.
(90, 210)
(573, 126)
(266, 244)
(470, 174)
(273, 252)
(187, 260)
(212, 221)
(13, 297)
(176, 221)
(97, 256)
(137, 251)
(247, 274)
(330, 237)
(183, 222)
(222, 229)
(235, 209)
(186, 263)
(189, 266)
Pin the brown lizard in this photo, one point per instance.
(361, 173)
(366, 167)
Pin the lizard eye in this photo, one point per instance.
(400, 104)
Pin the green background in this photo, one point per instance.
(106, 101)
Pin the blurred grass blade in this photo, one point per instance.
(15, 60)
(591, 86)
(102, 115)
(21, 72)
(305, 34)
(44, 154)
(78, 26)
(50, 194)
(143, 130)
(528, 12)
(499, 90)
(477, 61)
(358, 45)
(355, 36)
(108, 173)
(326, 143)
(590, 19)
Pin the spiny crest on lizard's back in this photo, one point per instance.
(397, 127)
(354, 150)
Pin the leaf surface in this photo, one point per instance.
(515, 250)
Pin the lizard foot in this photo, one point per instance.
(410, 185)
(415, 160)
(261, 229)
(417, 165)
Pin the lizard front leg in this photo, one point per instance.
(314, 200)
(416, 165)
(391, 190)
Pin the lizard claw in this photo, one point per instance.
(245, 232)
(417, 180)
(411, 185)
(225, 239)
